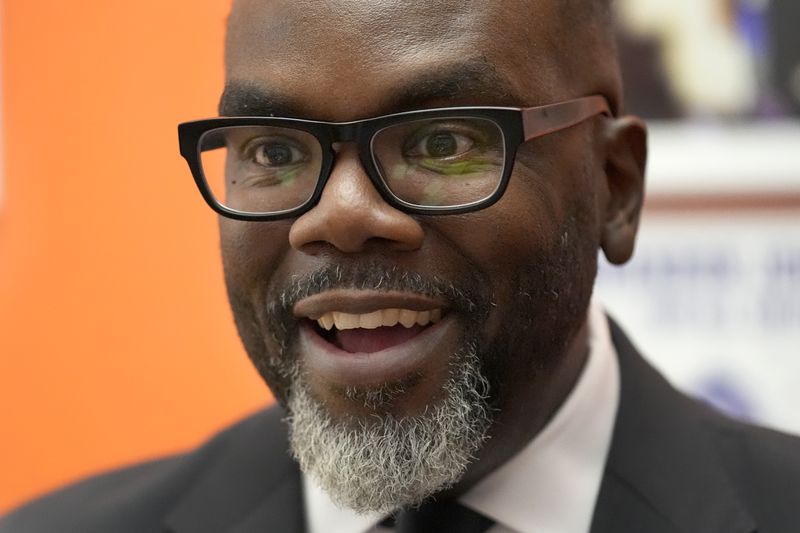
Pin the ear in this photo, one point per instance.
(626, 158)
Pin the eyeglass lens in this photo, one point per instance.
(435, 162)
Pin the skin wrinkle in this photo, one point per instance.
(519, 274)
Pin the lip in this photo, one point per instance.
(356, 301)
(340, 367)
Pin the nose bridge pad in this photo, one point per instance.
(347, 134)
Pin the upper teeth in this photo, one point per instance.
(381, 317)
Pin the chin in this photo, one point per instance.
(377, 450)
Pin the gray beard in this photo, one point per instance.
(382, 462)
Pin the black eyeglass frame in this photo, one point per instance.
(518, 125)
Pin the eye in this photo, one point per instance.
(441, 145)
(275, 153)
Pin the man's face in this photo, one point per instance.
(495, 299)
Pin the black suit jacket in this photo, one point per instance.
(674, 466)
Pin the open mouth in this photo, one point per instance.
(374, 331)
(351, 337)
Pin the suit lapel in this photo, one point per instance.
(250, 485)
(663, 473)
(281, 510)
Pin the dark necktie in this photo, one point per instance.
(439, 517)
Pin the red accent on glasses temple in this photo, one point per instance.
(539, 121)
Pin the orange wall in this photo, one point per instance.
(116, 343)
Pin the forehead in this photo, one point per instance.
(345, 59)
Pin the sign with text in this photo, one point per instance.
(713, 300)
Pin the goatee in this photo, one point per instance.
(382, 462)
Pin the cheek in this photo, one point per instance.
(251, 251)
(500, 242)
(513, 232)
(527, 236)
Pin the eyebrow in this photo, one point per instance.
(246, 99)
(475, 81)
(472, 81)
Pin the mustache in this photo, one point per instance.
(463, 295)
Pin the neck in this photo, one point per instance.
(521, 419)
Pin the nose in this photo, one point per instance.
(351, 215)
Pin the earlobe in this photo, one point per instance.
(626, 158)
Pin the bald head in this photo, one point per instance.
(544, 50)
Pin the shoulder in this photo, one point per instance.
(138, 497)
(763, 464)
(676, 457)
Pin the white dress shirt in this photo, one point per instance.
(551, 485)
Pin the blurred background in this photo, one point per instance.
(116, 343)
(713, 293)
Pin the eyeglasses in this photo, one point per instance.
(430, 162)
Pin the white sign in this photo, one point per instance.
(713, 297)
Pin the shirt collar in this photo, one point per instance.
(324, 516)
(552, 483)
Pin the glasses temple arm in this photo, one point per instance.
(539, 121)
